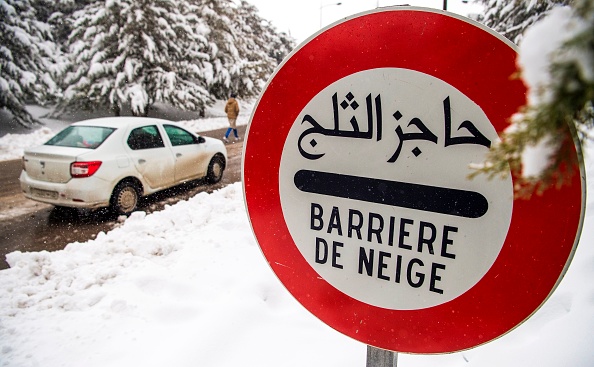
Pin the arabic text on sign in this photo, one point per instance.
(417, 130)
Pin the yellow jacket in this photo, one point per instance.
(232, 108)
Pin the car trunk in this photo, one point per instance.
(51, 164)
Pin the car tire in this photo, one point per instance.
(124, 199)
(216, 167)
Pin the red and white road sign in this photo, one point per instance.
(355, 174)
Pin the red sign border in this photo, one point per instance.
(543, 232)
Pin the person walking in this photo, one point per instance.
(232, 110)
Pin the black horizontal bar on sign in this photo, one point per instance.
(443, 200)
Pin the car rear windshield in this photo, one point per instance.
(89, 137)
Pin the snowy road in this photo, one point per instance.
(26, 225)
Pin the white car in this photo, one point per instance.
(111, 162)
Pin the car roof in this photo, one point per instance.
(122, 121)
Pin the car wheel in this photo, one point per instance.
(125, 198)
(215, 169)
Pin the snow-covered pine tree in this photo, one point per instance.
(561, 99)
(511, 17)
(134, 53)
(222, 44)
(57, 13)
(280, 46)
(126, 53)
(244, 49)
(27, 59)
(260, 47)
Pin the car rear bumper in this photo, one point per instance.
(87, 193)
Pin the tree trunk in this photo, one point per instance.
(117, 110)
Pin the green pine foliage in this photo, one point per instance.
(560, 118)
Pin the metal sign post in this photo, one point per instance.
(381, 358)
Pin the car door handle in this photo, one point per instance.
(142, 161)
(178, 155)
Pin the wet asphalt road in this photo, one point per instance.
(44, 227)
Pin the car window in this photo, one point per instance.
(179, 136)
(146, 137)
(89, 137)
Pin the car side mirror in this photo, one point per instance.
(201, 140)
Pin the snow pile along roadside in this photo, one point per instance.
(12, 145)
(185, 286)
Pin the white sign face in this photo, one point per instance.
(375, 192)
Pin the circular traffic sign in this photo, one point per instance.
(355, 178)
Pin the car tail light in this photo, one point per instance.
(84, 169)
